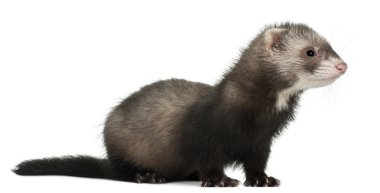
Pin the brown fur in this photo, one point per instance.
(143, 128)
(177, 129)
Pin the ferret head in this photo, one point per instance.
(301, 56)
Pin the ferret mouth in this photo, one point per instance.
(322, 81)
(328, 80)
(331, 78)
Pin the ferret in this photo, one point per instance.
(174, 130)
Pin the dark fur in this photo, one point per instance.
(212, 127)
(80, 166)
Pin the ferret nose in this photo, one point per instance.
(342, 67)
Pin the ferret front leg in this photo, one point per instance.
(215, 177)
(254, 164)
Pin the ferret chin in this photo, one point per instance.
(176, 129)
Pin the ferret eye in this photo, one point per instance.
(310, 53)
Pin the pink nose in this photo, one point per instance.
(342, 67)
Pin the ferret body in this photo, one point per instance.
(180, 130)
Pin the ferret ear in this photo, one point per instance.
(273, 38)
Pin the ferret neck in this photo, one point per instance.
(252, 89)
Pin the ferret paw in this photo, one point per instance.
(262, 182)
(149, 178)
(224, 182)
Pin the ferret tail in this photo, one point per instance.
(79, 166)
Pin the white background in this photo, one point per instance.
(65, 64)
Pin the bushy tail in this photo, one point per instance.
(80, 166)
